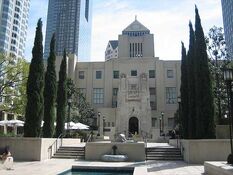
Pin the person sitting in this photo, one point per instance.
(7, 159)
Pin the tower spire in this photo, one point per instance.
(135, 17)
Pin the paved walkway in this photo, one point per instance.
(55, 166)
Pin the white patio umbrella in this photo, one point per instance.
(71, 125)
(81, 126)
(3, 122)
(16, 122)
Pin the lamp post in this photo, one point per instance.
(98, 123)
(103, 123)
(228, 77)
(68, 119)
(162, 123)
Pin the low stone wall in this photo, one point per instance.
(134, 151)
(27, 149)
(198, 151)
(218, 168)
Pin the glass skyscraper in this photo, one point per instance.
(227, 10)
(71, 22)
(13, 26)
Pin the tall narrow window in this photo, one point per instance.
(98, 95)
(130, 54)
(171, 96)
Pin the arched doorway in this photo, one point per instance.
(133, 125)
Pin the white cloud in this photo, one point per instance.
(167, 20)
(169, 26)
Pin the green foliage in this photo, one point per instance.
(203, 85)
(35, 88)
(199, 101)
(61, 97)
(50, 92)
(81, 110)
(218, 59)
(14, 73)
(192, 61)
(184, 93)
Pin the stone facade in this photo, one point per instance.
(135, 93)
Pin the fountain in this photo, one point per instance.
(114, 157)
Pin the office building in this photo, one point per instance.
(227, 11)
(13, 26)
(71, 21)
(134, 92)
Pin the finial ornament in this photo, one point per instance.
(135, 17)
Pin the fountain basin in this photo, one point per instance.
(114, 158)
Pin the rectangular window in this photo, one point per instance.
(81, 74)
(98, 74)
(153, 104)
(114, 91)
(116, 74)
(151, 73)
(171, 122)
(98, 95)
(134, 73)
(113, 124)
(170, 74)
(114, 97)
(171, 97)
(154, 122)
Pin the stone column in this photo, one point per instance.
(5, 126)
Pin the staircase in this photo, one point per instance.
(68, 152)
(163, 153)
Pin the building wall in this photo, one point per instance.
(107, 82)
(13, 26)
(227, 8)
(135, 84)
(71, 20)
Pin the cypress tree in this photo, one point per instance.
(184, 92)
(61, 97)
(191, 85)
(35, 88)
(204, 94)
(50, 92)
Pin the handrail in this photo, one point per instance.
(55, 145)
(90, 137)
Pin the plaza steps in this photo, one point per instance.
(69, 152)
(163, 153)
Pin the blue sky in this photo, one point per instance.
(167, 20)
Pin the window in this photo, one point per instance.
(116, 74)
(114, 97)
(151, 73)
(154, 122)
(81, 74)
(171, 122)
(98, 95)
(133, 72)
(113, 124)
(114, 91)
(153, 98)
(171, 95)
(98, 74)
(170, 74)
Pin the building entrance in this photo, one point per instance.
(133, 125)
